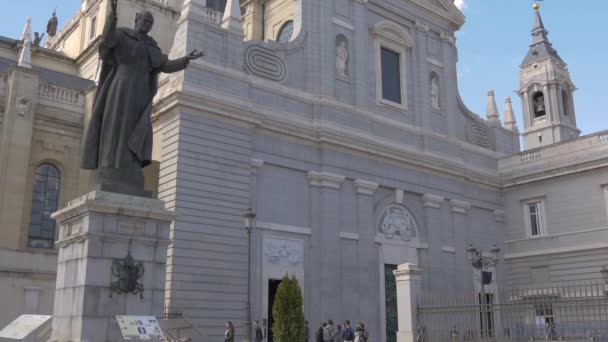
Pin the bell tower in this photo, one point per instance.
(546, 91)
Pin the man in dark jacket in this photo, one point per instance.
(319, 337)
(306, 331)
(259, 335)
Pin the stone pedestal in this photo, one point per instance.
(407, 278)
(94, 231)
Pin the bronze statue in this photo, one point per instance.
(118, 140)
(51, 26)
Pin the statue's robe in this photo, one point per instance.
(119, 133)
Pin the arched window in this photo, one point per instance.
(41, 232)
(285, 32)
(565, 102)
(539, 105)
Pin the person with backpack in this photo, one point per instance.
(348, 334)
(359, 334)
(319, 337)
(328, 332)
(364, 332)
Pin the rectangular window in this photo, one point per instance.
(391, 75)
(534, 218)
(93, 29)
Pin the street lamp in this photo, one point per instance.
(604, 273)
(480, 262)
(249, 222)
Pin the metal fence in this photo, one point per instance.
(571, 312)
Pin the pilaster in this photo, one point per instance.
(368, 270)
(432, 212)
(460, 224)
(15, 146)
(326, 236)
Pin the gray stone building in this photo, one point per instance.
(344, 131)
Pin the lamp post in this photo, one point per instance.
(479, 262)
(249, 221)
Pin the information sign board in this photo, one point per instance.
(139, 328)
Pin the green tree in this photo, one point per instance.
(287, 312)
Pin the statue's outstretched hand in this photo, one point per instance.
(195, 54)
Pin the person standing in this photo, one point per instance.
(359, 334)
(348, 334)
(306, 331)
(328, 332)
(319, 337)
(259, 335)
(229, 334)
(338, 333)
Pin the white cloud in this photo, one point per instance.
(460, 4)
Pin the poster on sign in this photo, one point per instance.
(140, 328)
(23, 326)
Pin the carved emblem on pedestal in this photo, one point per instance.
(128, 273)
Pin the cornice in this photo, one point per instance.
(325, 133)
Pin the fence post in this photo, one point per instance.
(407, 277)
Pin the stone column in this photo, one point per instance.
(460, 210)
(408, 278)
(326, 236)
(432, 213)
(97, 231)
(369, 293)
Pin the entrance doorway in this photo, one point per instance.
(273, 286)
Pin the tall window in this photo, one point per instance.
(534, 218)
(565, 102)
(391, 75)
(392, 47)
(93, 28)
(41, 233)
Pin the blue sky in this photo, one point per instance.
(491, 46)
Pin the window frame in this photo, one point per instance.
(540, 217)
(28, 235)
(92, 27)
(392, 37)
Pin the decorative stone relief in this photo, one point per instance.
(283, 252)
(397, 223)
(23, 105)
(479, 134)
(264, 62)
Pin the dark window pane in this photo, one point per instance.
(52, 183)
(391, 75)
(44, 202)
(35, 229)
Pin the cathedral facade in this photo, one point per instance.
(340, 124)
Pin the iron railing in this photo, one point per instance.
(570, 312)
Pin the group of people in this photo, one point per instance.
(330, 332)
